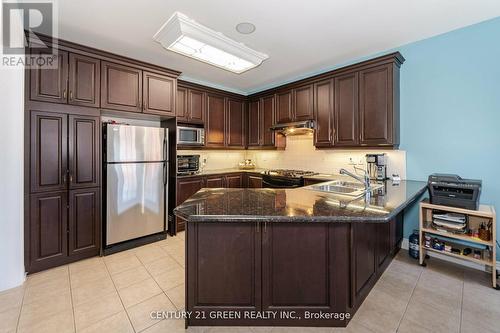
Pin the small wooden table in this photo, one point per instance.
(485, 214)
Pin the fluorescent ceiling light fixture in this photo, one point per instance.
(182, 35)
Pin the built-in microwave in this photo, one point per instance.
(190, 136)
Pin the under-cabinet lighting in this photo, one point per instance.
(187, 37)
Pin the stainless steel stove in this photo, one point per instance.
(284, 178)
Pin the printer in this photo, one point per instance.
(452, 190)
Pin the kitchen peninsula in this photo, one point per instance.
(272, 256)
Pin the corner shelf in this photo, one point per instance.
(483, 214)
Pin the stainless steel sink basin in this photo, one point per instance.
(341, 187)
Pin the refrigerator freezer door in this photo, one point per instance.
(135, 200)
(135, 143)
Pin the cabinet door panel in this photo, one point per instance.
(48, 230)
(376, 105)
(159, 94)
(254, 182)
(284, 107)
(84, 80)
(181, 104)
(84, 221)
(235, 131)
(303, 103)
(186, 188)
(346, 110)
(50, 85)
(323, 113)
(364, 259)
(196, 106)
(215, 181)
(234, 181)
(121, 87)
(268, 120)
(215, 136)
(254, 123)
(221, 279)
(84, 152)
(383, 242)
(48, 160)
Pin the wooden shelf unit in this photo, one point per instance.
(483, 214)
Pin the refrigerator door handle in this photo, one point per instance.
(165, 173)
(165, 151)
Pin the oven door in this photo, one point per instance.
(281, 182)
(191, 136)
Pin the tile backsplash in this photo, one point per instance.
(300, 153)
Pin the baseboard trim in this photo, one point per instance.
(405, 246)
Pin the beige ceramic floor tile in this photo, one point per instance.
(177, 296)
(397, 285)
(263, 329)
(293, 329)
(139, 292)
(61, 322)
(170, 279)
(170, 326)
(122, 264)
(233, 329)
(353, 327)
(41, 309)
(439, 298)
(408, 326)
(131, 276)
(430, 318)
(140, 314)
(46, 289)
(11, 298)
(88, 276)
(162, 265)
(87, 264)
(181, 235)
(380, 312)
(48, 275)
(8, 320)
(93, 290)
(150, 253)
(97, 309)
(117, 323)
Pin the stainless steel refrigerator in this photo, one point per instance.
(136, 178)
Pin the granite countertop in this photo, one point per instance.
(298, 205)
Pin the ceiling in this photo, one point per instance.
(300, 37)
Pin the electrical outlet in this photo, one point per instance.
(351, 161)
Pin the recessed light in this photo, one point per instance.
(245, 28)
(182, 35)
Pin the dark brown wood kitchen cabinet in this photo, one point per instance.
(186, 187)
(75, 81)
(121, 87)
(346, 110)
(234, 181)
(84, 80)
(215, 121)
(323, 113)
(284, 106)
(254, 181)
(84, 222)
(159, 94)
(48, 242)
(50, 85)
(84, 151)
(217, 181)
(376, 108)
(181, 102)
(365, 259)
(235, 123)
(268, 120)
(303, 103)
(190, 105)
(64, 189)
(229, 279)
(48, 154)
(254, 119)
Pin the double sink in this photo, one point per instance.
(345, 188)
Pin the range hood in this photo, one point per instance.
(295, 128)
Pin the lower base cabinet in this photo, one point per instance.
(64, 227)
(186, 187)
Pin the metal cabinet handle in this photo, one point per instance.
(71, 95)
(64, 93)
(257, 227)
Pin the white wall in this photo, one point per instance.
(11, 177)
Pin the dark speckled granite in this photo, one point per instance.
(298, 205)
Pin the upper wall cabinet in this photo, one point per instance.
(235, 123)
(254, 120)
(377, 113)
(346, 113)
(261, 117)
(215, 124)
(75, 81)
(303, 103)
(284, 106)
(159, 94)
(122, 87)
(190, 105)
(323, 113)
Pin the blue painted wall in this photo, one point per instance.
(450, 108)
